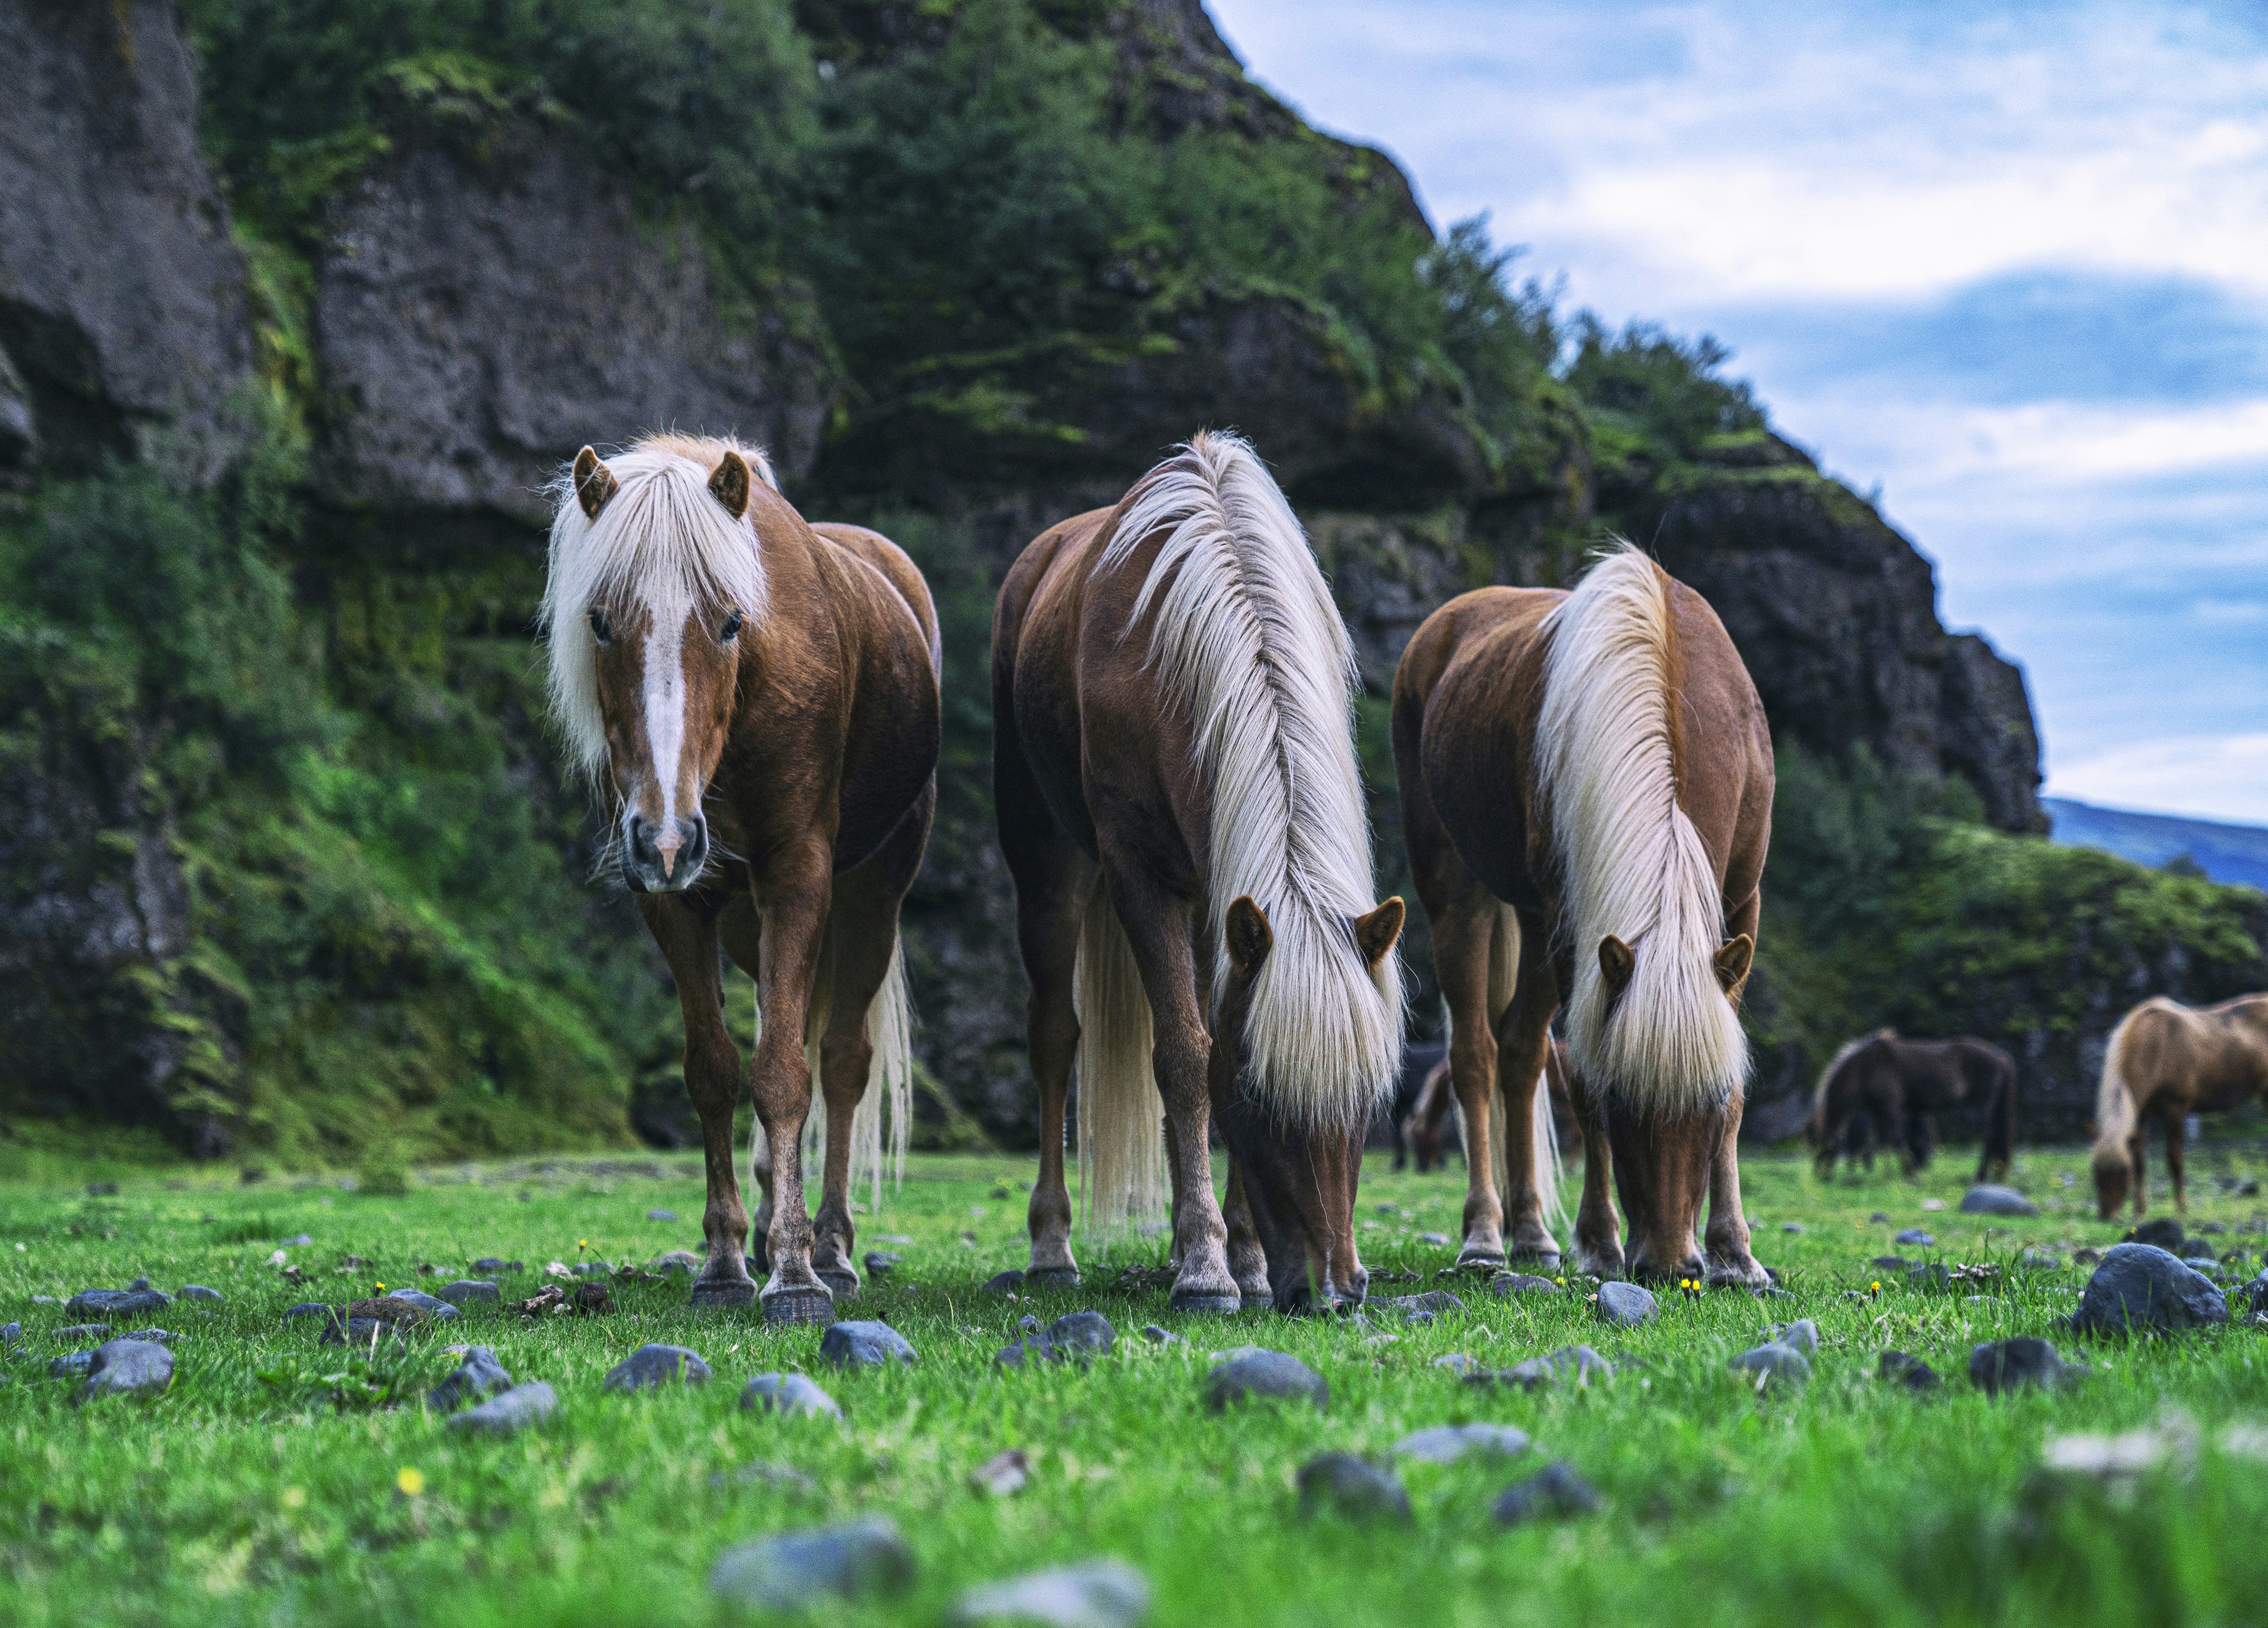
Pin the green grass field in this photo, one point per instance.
(266, 1486)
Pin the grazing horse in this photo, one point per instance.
(1425, 1131)
(2172, 1060)
(757, 700)
(1174, 771)
(1586, 785)
(1878, 1080)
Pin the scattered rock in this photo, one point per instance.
(490, 1264)
(1417, 1309)
(869, 1345)
(308, 1308)
(78, 1331)
(790, 1395)
(792, 1570)
(1445, 1444)
(11, 1335)
(1157, 1335)
(1932, 1204)
(438, 1310)
(1508, 1283)
(1911, 1371)
(1555, 1490)
(590, 1300)
(1099, 1594)
(2085, 1257)
(682, 1263)
(650, 1368)
(1458, 1364)
(515, 1410)
(1933, 1276)
(661, 1215)
(2211, 1229)
(198, 1292)
(470, 1291)
(2038, 1261)
(1792, 1226)
(478, 1374)
(2140, 1286)
(1254, 1373)
(879, 1263)
(2164, 1231)
(1440, 1240)
(1774, 1361)
(1879, 1217)
(127, 1368)
(301, 1242)
(1987, 1198)
(2017, 1364)
(115, 1305)
(1890, 1263)
(1003, 1475)
(156, 1337)
(71, 1364)
(1801, 1335)
(2254, 1293)
(1343, 1484)
(1006, 1283)
(1579, 1363)
(1625, 1305)
(2196, 1250)
(1915, 1237)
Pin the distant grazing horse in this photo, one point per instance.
(758, 701)
(1174, 771)
(2172, 1060)
(1422, 1067)
(1879, 1081)
(1424, 1131)
(1586, 786)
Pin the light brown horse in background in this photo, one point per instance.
(2171, 1060)
(1586, 786)
(1174, 771)
(757, 699)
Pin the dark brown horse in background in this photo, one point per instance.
(1586, 786)
(1425, 1130)
(1179, 802)
(758, 701)
(2170, 1061)
(1878, 1083)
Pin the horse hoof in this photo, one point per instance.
(1492, 1258)
(1052, 1277)
(1548, 1259)
(843, 1286)
(1206, 1305)
(723, 1293)
(799, 1304)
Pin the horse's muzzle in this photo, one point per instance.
(664, 858)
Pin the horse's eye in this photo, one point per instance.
(599, 629)
(731, 630)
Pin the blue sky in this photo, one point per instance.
(2009, 264)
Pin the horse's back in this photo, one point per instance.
(896, 567)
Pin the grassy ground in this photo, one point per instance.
(267, 1485)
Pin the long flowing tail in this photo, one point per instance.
(1122, 1150)
(890, 1075)
(2114, 1100)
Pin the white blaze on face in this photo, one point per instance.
(665, 721)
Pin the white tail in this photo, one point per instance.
(1632, 865)
(2114, 1099)
(1548, 1168)
(1122, 1147)
(890, 1075)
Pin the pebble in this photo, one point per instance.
(661, 1215)
(1440, 1240)
(71, 1364)
(478, 1374)
(1157, 1335)
(1933, 1276)
(1890, 1263)
(1792, 1226)
(1932, 1204)
(1417, 1309)
(1879, 1217)
(127, 1368)
(1911, 1371)
(116, 1303)
(650, 1368)
(307, 1308)
(870, 1344)
(2196, 1250)
(1255, 1372)
(2139, 1286)
(1343, 1484)
(1508, 1283)
(1457, 1363)
(490, 1264)
(684, 1262)
(791, 1570)
(81, 1331)
(790, 1395)
(2038, 1261)
(1625, 1305)
(2086, 1257)
(1801, 1335)
(878, 1262)
(470, 1291)
(440, 1310)
(1006, 1283)
(1774, 1361)
(2164, 1231)
(1099, 1594)
(1987, 1198)
(2254, 1293)
(514, 1409)
(1915, 1237)
(198, 1292)
(1003, 1475)
(1554, 1491)
(301, 1242)
(2017, 1364)
(10, 1335)
(1579, 1362)
(1445, 1444)
(156, 1337)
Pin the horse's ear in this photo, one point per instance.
(730, 484)
(1732, 962)
(594, 483)
(1376, 933)
(1249, 937)
(1616, 962)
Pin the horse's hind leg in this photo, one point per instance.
(1598, 1230)
(2176, 1132)
(1247, 1260)
(712, 1079)
(2138, 1155)
(1522, 1037)
(1463, 919)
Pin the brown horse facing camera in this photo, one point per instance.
(757, 700)
(1174, 768)
(2169, 1060)
(1586, 786)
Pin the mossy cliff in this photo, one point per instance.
(289, 866)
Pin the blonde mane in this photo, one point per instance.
(1250, 645)
(662, 542)
(1631, 863)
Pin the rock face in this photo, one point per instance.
(478, 320)
(122, 311)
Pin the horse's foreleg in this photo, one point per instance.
(2137, 1148)
(1248, 1261)
(1522, 1038)
(2175, 1130)
(792, 899)
(1598, 1229)
(1726, 1241)
(1051, 888)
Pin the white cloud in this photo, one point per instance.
(2214, 778)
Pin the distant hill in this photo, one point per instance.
(2227, 853)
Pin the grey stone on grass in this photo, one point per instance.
(2164, 1231)
(1801, 1335)
(682, 1263)
(70, 1364)
(1157, 1335)
(2139, 1288)
(1003, 1475)
(2021, 1364)
(1579, 1363)
(1504, 1285)
(155, 1337)
(433, 1305)
(1911, 1372)
(513, 1409)
(1915, 1237)
(661, 1215)
(1555, 1490)
(1006, 1283)
(1445, 1444)
(1096, 1594)
(492, 1265)
(2038, 1261)
(2196, 1250)
(1988, 1198)
(1796, 1227)
(127, 1368)
(650, 1368)
(198, 1292)
(115, 1305)
(1890, 1263)
(791, 1396)
(1458, 1364)
(1269, 1374)
(478, 1374)
(1625, 1305)
(76, 1333)
(878, 1262)
(307, 1308)
(1933, 1276)
(1082, 1336)
(1774, 1362)
(1417, 1309)
(1342, 1484)
(298, 1241)
(865, 1345)
(1440, 1240)
(470, 1291)
(10, 1335)
(792, 1570)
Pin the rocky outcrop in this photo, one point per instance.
(123, 326)
(482, 313)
